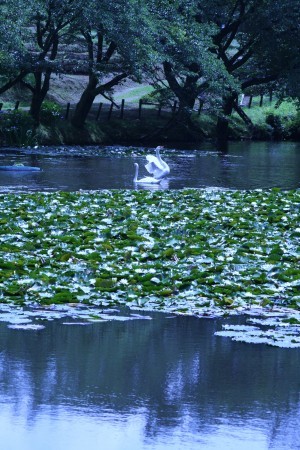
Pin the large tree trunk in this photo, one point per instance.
(223, 120)
(91, 91)
(186, 93)
(39, 93)
(35, 108)
(85, 103)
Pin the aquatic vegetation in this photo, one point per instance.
(27, 327)
(201, 252)
(277, 331)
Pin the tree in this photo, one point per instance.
(50, 22)
(117, 36)
(254, 41)
(12, 50)
(223, 47)
(190, 67)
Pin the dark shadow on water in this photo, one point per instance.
(152, 381)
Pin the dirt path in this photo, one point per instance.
(68, 88)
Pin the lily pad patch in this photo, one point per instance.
(278, 330)
(196, 251)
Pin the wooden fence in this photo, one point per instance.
(106, 111)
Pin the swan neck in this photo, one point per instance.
(136, 172)
(158, 156)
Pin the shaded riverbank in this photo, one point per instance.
(16, 128)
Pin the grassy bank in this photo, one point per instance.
(269, 123)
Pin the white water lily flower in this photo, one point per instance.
(155, 280)
(81, 298)
(149, 244)
(25, 281)
(85, 289)
(123, 281)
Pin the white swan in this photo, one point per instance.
(146, 180)
(156, 166)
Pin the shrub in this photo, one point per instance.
(162, 96)
(50, 112)
(16, 128)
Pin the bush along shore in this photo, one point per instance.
(269, 123)
(207, 253)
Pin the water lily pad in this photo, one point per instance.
(27, 327)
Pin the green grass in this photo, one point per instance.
(257, 114)
(270, 122)
(133, 95)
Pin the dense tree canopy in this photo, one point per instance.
(119, 42)
(212, 50)
(12, 37)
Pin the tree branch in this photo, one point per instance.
(13, 82)
(256, 81)
(110, 84)
(109, 52)
(242, 114)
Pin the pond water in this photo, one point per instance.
(160, 384)
(166, 383)
(244, 165)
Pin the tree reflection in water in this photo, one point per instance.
(157, 382)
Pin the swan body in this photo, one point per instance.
(156, 166)
(145, 180)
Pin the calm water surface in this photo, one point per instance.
(243, 166)
(161, 384)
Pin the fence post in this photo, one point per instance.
(271, 96)
(122, 108)
(250, 101)
(67, 111)
(261, 100)
(159, 111)
(140, 108)
(174, 107)
(99, 111)
(17, 105)
(200, 106)
(110, 111)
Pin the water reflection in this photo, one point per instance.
(168, 383)
(164, 184)
(244, 165)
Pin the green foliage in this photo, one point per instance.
(162, 96)
(12, 32)
(50, 113)
(210, 50)
(16, 128)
